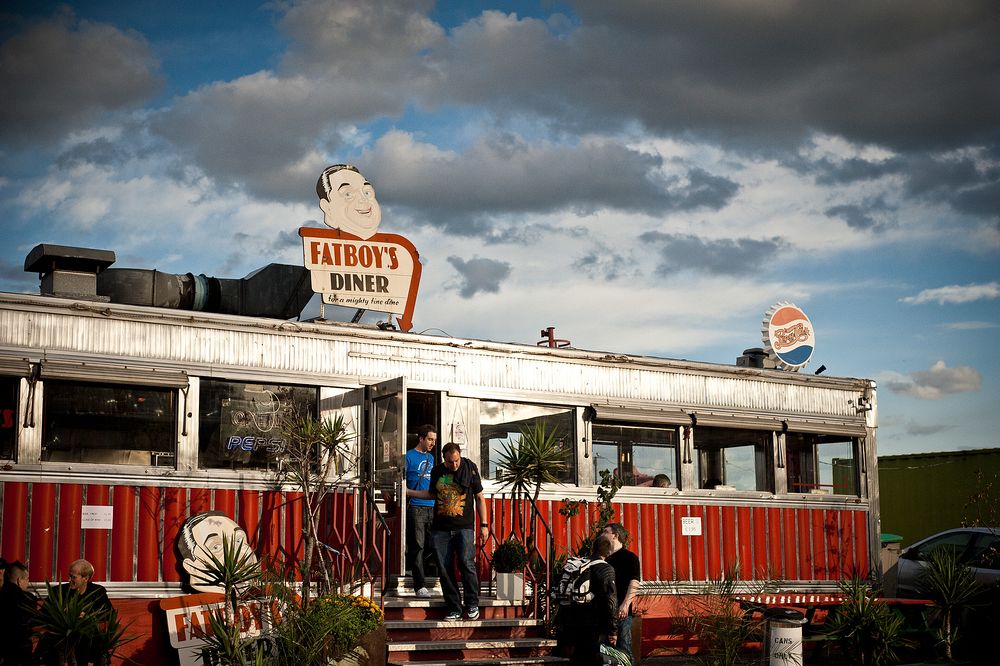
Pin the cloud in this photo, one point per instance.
(971, 325)
(479, 275)
(862, 217)
(59, 75)
(503, 174)
(955, 294)
(918, 430)
(728, 256)
(937, 382)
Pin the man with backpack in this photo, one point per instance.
(627, 577)
(588, 605)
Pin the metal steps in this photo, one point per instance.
(418, 635)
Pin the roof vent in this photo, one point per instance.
(755, 357)
(68, 272)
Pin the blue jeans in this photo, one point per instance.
(418, 529)
(625, 635)
(458, 546)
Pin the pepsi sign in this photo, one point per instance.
(788, 336)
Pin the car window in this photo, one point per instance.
(985, 554)
(956, 542)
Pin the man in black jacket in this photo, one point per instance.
(596, 621)
(627, 577)
(16, 607)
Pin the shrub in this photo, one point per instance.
(346, 618)
(509, 557)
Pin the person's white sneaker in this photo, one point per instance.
(424, 593)
(453, 616)
(474, 613)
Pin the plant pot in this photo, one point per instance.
(370, 650)
(510, 587)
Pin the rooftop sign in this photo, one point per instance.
(788, 336)
(351, 264)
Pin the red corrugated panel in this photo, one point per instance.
(745, 542)
(729, 557)
(123, 541)
(771, 530)
(665, 542)
(803, 544)
(201, 501)
(790, 544)
(560, 531)
(174, 515)
(148, 556)
(681, 544)
(294, 541)
(861, 542)
(698, 545)
(630, 519)
(225, 501)
(95, 542)
(846, 543)
(15, 521)
(69, 539)
(648, 541)
(819, 544)
(248, 514)
(712, 529)
(833, 557)
(541, 521)
(41, 562)
(270, 524)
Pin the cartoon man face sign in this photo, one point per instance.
(348, 201)
(201, 538)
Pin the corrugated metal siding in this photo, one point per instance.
(172, 342)
(140, 545)
(787, 543)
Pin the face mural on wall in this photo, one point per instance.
(201, 537)
(348, 201)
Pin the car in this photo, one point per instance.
(977, 547)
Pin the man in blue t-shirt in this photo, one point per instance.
(419, 512)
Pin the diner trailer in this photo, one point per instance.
(120, 421)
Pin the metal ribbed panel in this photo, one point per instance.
(284, 347)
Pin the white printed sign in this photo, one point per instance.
(691, 526)
(97, 517)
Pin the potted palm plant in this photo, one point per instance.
(508, 562)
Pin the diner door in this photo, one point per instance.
(386, 438)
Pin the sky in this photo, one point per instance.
(647, 177)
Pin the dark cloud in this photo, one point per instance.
(503, 175)
(605, 263)
(870, 216)
(479, 275)
(740, 256)
(102, 152)
(919, 74)
(853, 170)
(59, 75)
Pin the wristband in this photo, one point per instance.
(484, 524)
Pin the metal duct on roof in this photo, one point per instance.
(113, 374)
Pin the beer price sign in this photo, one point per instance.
(351, 264)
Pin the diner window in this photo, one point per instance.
(638, 456)
(734, 459)
(239, 424)
(8, 416)
(821, 464)
(108, 423)
(501, 424)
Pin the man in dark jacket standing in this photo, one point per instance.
(16, 607)
(627, 577)
(596, 621)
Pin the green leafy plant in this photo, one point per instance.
(538, 456)
(869, 631)
(316, 457)
(716, 617)
(952, 587)
(509, 557)
(608, 487)
(68, 622)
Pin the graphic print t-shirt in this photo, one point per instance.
(454, 509)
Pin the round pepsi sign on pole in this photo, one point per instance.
(788, 336)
